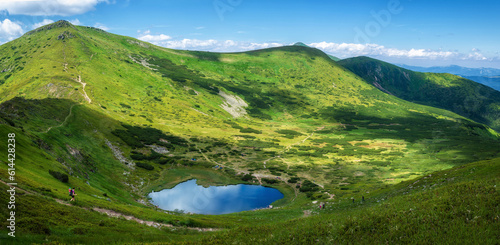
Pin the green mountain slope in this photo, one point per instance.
(104, 110)
(454, 93)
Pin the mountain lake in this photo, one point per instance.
(193, 198)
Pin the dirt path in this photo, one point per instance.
(287, 148)
(259, 179)
(300, 142)
(79, 80)
(65, 120)
(145, 222)
(265, 161)
(17, 188)
(115, 214)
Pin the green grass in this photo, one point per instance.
(458, 205)
(310, 122)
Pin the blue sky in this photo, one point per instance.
(414, 32)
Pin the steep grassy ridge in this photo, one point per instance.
(454, 93)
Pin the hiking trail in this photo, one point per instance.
(65, 120)
(79, 80)
(115, 214)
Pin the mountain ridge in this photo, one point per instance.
(487, 76)
(447, 91)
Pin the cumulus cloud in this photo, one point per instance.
(147, 37)
(101, 26)
(44, 22)
(216, 45)
(49, 7)
(76, 22)
(204, 45)
(344, 50)
(10, 30)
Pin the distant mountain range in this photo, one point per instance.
(456, 70)
(487, 76)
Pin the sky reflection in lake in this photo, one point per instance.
(190, 197)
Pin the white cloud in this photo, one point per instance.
(344, 50)
(153, 38)
(76, 22)
(10, 30)
(203, 45)
(49, 7)
(341, 50)
(215, 45)
(475, 56)
(101, 26)
(44, 22)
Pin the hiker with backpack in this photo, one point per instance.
(72, 194)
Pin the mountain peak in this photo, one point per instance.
(57, 24)
(300, 44)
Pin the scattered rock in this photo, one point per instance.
(158, 149)
(234, 105)
(119, 155)
(64, 35)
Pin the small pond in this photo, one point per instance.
(193, 198)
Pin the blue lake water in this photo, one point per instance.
(190, 197)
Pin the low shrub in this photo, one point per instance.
(60, 176)
(247, 177)
(144, 166)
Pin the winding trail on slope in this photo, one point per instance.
(79, 80)
(115, 214)
(65, 120)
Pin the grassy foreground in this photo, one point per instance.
(459, 205)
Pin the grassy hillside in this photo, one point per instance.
(459, 205)
(104, 110)
(454, 93)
